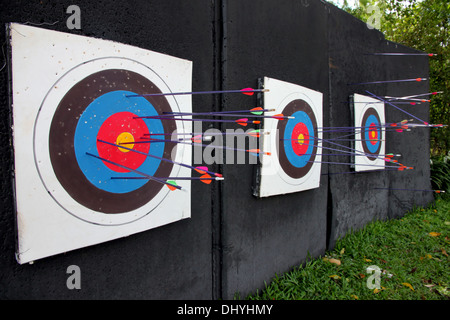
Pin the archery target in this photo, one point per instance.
(294, 163)
(369, 144)
(72, 178)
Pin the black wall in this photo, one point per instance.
(234, 241)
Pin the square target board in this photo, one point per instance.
(294, 144)
(84, 169)
(370, 134)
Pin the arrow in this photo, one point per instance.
(246, 91)
(206, 178)
(389, 81)
(257, 111)
(367, 165)
(243, 122)
(254, 133)
(361, 172)
(416, 95)
(435, 191)
(403, 102)
(136, 171)
(276, 116)
(400, 54)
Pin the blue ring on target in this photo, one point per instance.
(296, 160)
(85, 140)
(372, 147)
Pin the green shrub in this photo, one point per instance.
(440, 173)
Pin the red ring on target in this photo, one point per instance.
(373, 134)
(123, 127)
(300, 139)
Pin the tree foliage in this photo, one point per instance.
(422, 25)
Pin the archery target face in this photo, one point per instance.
(294, 163)
(74, 185)
(370, 133)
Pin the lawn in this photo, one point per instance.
(399, 259)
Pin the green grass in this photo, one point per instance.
(412, 254)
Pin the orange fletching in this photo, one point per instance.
(279, 116)
(171, 187)
(207, 180)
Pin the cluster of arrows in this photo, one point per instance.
(254, 116)
(196, 139)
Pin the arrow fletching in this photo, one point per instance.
(243, 122)
(172, 185)
(257, 111)
(255, 133)
(248, 91)
(201, 170)
(206, 178)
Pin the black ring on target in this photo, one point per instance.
(293, 171)
(371, 116)
(62, 133)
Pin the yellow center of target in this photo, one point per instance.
(127, 140)
(301, 138)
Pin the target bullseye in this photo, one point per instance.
(125, 137)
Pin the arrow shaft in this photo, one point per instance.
(197, 92)
(405, 189)
(183, 119)
(182, 142)
(373, 95)
(398, 54)
(344, 163)
(153, 156)
(133, 170)
(388, 81)
(169, 178)
(222, 115)
(224, 112)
